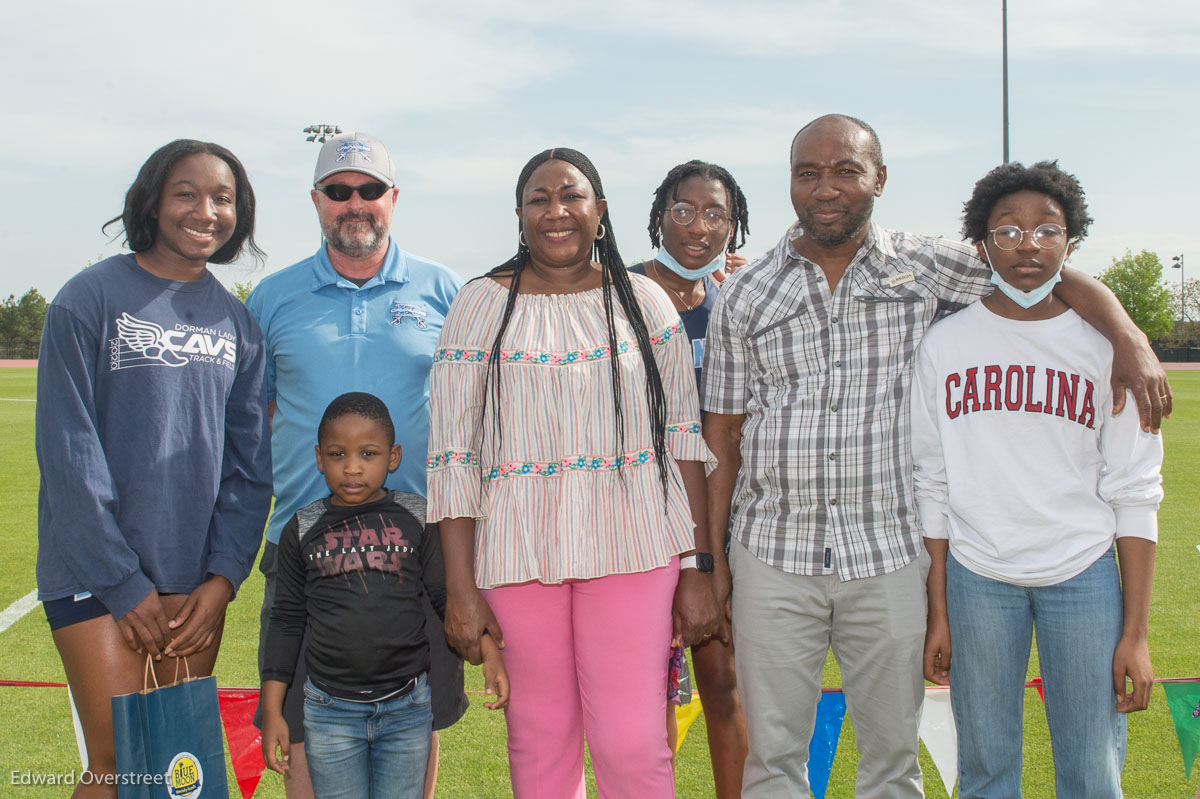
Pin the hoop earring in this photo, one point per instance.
(521, 239)
(600, 233)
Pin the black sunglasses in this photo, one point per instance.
(340, 192)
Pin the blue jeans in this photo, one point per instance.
(1078, 625)
(367, 749)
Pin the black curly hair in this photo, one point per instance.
(145, 194)
(1044, 177)
(739, 212)
(359, 403)
(614, 282)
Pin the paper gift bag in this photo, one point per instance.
(168, 741)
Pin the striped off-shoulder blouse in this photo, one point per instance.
(550, 502)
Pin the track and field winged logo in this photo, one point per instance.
(141, 343)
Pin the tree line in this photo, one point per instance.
(21, 324)
(1168, 312)
(21, 320)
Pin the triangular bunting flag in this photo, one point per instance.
(1183, 700)
(79, 742)
(684, 716)
(938, 733)
(1037, 683)
(245, 740)
(831, 711)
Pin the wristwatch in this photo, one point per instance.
(700, 561)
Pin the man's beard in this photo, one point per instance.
(356, 242)
(849, 227)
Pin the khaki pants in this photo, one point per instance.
(783, 627)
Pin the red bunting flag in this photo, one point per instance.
(245, 740)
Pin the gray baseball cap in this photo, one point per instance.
(355, 152)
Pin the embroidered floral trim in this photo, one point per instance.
(539, 469)
(575, 464)
(450, 354)
(452, 457)
(464, 356)
(686, 427)
(667, 334)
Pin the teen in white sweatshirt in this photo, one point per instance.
(1024, 479)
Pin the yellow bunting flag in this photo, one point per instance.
(684, 716)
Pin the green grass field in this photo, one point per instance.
(36, 731)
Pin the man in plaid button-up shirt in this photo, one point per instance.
(806, 378)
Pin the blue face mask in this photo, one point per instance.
(1025, 299)
(664, 258)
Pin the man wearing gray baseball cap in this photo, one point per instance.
(360, 314)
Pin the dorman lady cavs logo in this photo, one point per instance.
(143, 343)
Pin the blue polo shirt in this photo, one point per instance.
(326, 336)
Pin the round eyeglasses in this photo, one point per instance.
(1044, 237)
(683, 214)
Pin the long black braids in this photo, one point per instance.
(613, 279)
(739, 212)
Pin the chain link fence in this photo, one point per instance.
(1177, 354)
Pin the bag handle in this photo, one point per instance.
(150, 674)
(187, 671)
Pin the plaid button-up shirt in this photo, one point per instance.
(823, 378)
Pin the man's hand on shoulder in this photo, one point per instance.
(1136, 369)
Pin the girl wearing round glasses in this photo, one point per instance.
(1024, 480)
(152, 441)
(698, 220)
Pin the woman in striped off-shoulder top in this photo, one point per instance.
(566, 471)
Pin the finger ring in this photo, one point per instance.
(708, 635)
(1162, 396)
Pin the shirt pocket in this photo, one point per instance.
(789, 354)
(896, 320)
(912, 291)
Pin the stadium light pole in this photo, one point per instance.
(321, 133)
(1177, 263)
(1004, 68)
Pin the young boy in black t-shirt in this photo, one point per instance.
(352, 568)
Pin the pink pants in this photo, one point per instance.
(588, 657)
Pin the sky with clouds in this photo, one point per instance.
(465, 91)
